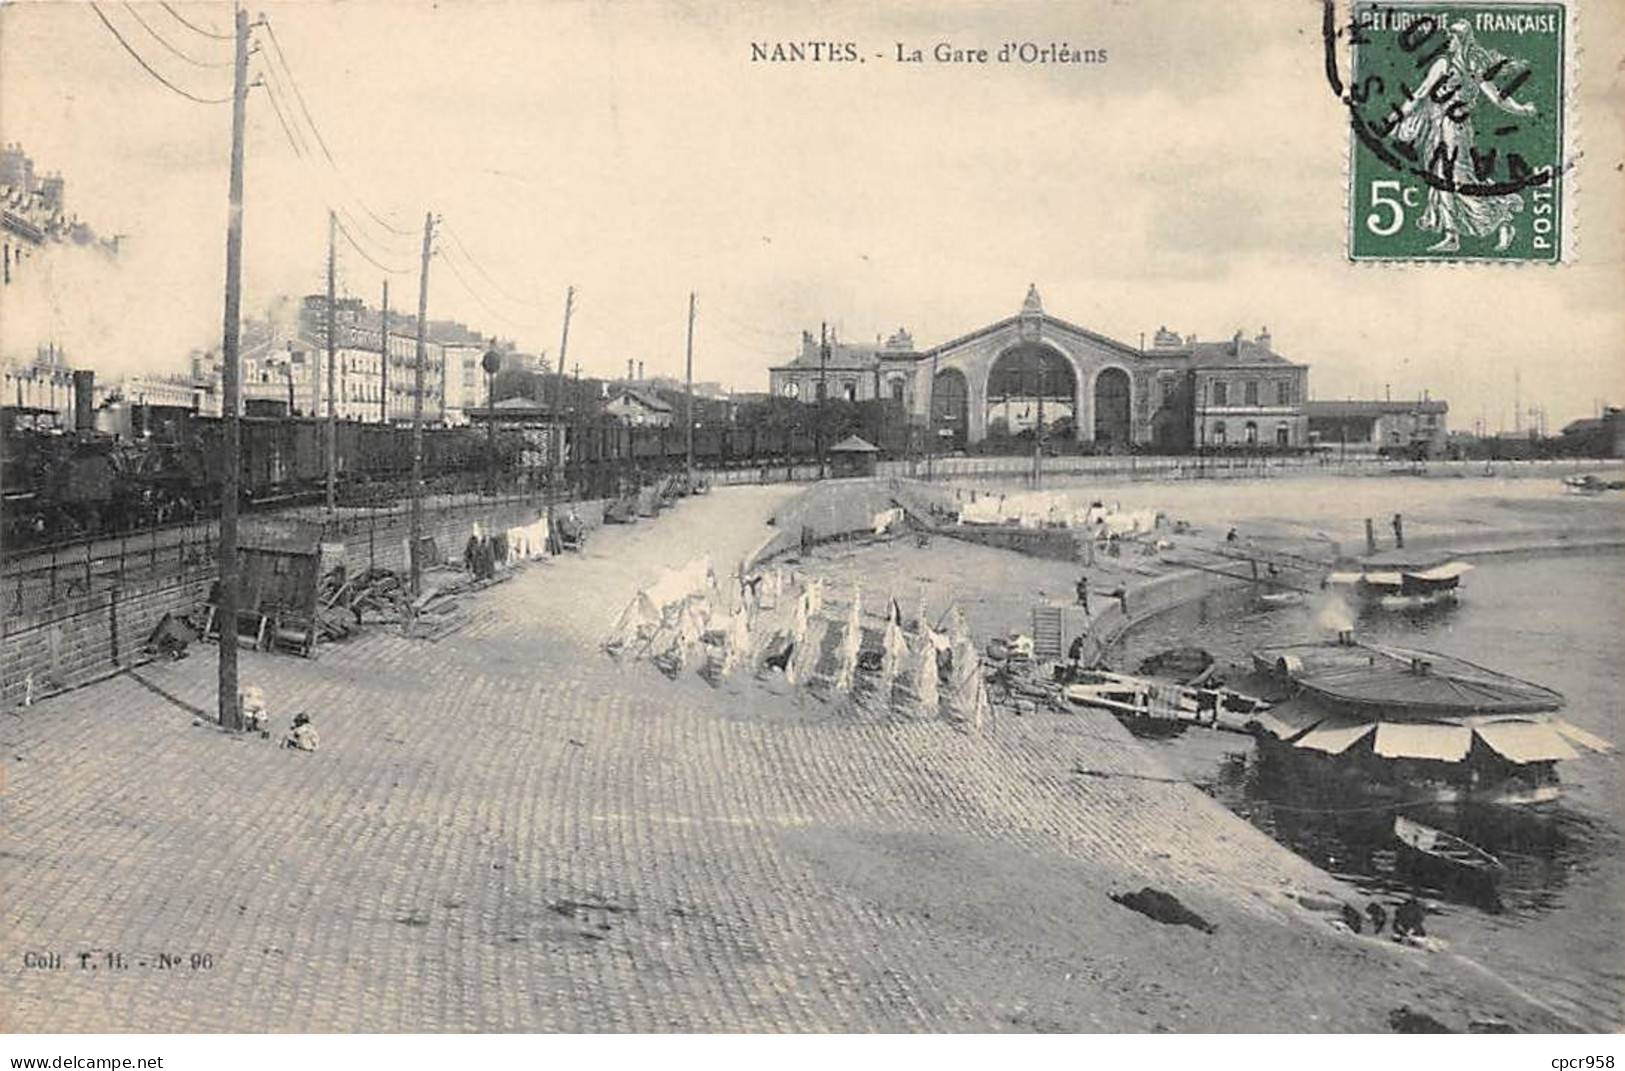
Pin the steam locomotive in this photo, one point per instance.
(166, 467)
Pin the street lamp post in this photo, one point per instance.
(490, 363)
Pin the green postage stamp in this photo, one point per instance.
(1456, 118)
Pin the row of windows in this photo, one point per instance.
(1282, 392)
(847, 389)
(1249, 433)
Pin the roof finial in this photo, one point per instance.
(1033, 302)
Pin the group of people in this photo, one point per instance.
(483, 553)
(1120, 593)
(1408, 918)
(257, 719)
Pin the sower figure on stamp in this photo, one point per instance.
(1438, 120)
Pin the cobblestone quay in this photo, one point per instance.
(505, 831)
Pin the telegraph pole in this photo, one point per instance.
(230, 709)
(688, 397)
(564, 344)
(417, 406)
(931, 423)
(383, 357)
(1038, 432)
(823, 393)
(332, 367)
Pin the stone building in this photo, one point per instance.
(1006, 378)
(857, 373)
(1375, 425)
(639, 408)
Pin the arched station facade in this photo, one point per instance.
(1033, 373)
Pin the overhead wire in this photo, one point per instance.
(304, 108)
(337, 209)
(136, 15)
(301, 148)
(171, 86)
(474, 262)
(194, 28)
(340, 190)
(451, 265)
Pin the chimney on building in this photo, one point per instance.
(640, 371)
(1263, 337)
(84, 400)
(629, 368)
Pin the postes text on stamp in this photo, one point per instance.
(1456, 114)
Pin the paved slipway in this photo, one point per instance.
(504, 830)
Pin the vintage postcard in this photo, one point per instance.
(568, 517)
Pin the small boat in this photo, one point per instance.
(1141, 705)
(1153, 708)
(1182, 665)
(1437, 846)
(1589, 484)
(1392, 582)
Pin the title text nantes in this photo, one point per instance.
(943, 52)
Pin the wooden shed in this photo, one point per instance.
(853, 456)
(280, 570)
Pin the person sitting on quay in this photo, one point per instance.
(1408, 919)
(302, 737)
(1083, 592)
(1074, 654)
(256, 719)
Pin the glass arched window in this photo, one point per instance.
(1251, 432)
(1219, 432)
(1283, 434)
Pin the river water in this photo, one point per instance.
(1556, 929)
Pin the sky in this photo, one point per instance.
(1196, 179)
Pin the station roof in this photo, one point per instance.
(1355, 408)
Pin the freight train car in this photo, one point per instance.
(164, 465)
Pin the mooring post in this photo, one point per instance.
(1399, 532)
(1370, 537)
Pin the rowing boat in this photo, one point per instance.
(1438, 846)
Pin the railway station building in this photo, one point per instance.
(999, 381)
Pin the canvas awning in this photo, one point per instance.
(1335, 735)
(1525, 741)
(1423, 740)
(1447, 571)
(1289, 720)
(1576, 735)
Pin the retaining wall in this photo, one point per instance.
(77, 640)
(72, 642)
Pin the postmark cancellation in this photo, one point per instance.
(1457, 130)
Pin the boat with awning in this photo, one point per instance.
(1394, 582)
(1415, 723)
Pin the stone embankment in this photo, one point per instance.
(503, 830)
